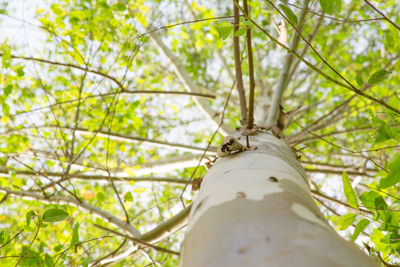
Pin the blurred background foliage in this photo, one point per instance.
(85, 118)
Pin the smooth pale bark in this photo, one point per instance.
(255, 209)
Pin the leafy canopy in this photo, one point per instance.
(108, 106)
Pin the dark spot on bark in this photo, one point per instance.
(273, 179)
(242, 250)
(267, 239)
(240, 195)
(225, 172)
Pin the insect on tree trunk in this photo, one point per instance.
(255, 208)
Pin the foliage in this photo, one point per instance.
(94, 112)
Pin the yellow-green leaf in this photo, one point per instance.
(359, 227)
(331, 6)
(75, 235)
(139, 190)
(349, 192)
(128, 197)
(289, 14)
(379, 76)
(55, 215)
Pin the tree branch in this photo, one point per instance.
(350, 85)
(187, 81)
(250, 118)
(68, 65)
(127, 228)
(382, 14)
(137, 240)
(157, 234)
(336, 19)
(284, 76)
(167, 227)
(124, 137)
(238, 65)
(166, 27)
(316, 69)
(339, 172)
(319, 194)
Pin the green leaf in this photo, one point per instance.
(349, 192)
(331, 6)
(368, 199)
(128, 197)
(394, 164)
(394, 175)
(86, 261)
(247, 23)
(101, 197)
(345, 221)
(30, 257)
(241, 31)
(55, 215)
(360, 226)
(225, 31)
(5, 108)
(20, 71)
(6, 58)
(372, 200)
(379, 76)
(2, 236)
(56, 9)
(119, 6)
(29, 215)
(58, 248)
(389, 39)
(394, 101)
(48, 260)
(391, 238)
(75, 235)
(289, 14)
(384, 132)
(359, 79)
(8, 89)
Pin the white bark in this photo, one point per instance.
(255, 209)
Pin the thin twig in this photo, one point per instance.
(238, 64)
(210, 96)
(82, 205)
(30, 244)
(11, 239)
(138, 241)
(284, 78)
(69, 65)
(135, 138)
(382, 14)
(168, 92)
(350, 85)
(315, 68)
(165, 27)
(333, 18)
(250, 118)
(319, 194)
(209, 143)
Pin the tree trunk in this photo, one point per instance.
(255, 209)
